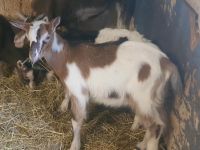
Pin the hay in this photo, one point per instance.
(26, 121)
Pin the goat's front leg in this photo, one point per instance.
(64, 106)
(78, 107)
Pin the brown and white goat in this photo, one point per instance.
(133, 74)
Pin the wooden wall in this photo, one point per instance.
(9, 8)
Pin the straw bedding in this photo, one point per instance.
(27, 121)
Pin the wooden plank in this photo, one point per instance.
(195, 4)
(9, 8)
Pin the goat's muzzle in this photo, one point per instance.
(34, 53)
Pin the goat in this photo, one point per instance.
(113, 34)
(9, 54)
(133, 74)
(87, 16)
(78, 14)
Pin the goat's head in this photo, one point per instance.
(38, 33)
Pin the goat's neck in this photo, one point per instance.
(57, 58)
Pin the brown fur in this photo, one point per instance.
(166, 64)
(144, 72)
(53, 59)
(87, 56)
(157, 84)
(155, 130)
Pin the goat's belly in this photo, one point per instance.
(102, 83)
(110, 85)
(112, 102)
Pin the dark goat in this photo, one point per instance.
(32, 75)
(10, 57)
(9, 54)
(88, 16)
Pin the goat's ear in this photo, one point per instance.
(54, 23)
(19, 39)
(20, 25)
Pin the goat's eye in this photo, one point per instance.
(48, 38)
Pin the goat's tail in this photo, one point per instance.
(176, 82)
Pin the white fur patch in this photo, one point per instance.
(56, 47)
(37, 55)
(38, 50)
(32, 34)
(109, 34)
(76, 82)
(122, 76)
(113, 34)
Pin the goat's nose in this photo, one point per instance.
(33, 55)
(34, 52)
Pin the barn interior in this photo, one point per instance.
(27, 119)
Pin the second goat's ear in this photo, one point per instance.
(20, 25)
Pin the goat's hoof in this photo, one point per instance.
(141, 146)
(75, 147)
(137, 148)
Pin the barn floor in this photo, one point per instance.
(27, 121)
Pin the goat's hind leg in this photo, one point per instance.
(64, 106)
(65, 103)
(154, 129)
(142, 145)
(155, 134)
